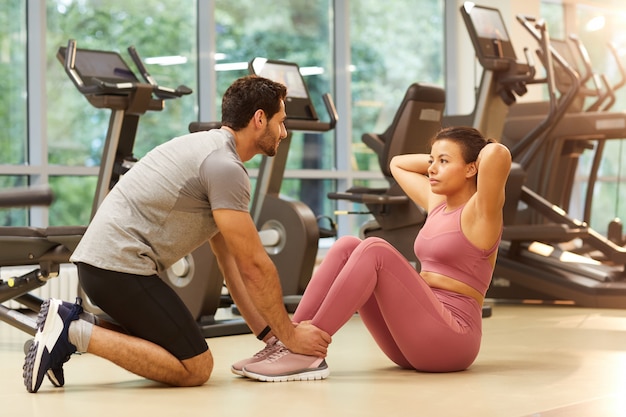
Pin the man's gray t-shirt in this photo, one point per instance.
(161, 210)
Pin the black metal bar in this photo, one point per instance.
(18, 320)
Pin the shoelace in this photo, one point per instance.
(279, 353)
(265, 350)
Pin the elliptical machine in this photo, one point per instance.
(530, 262)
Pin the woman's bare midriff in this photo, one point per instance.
(435, 280)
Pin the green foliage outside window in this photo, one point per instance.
(76, 130)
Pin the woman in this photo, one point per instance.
(429, 320)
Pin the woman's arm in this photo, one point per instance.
(482, 218)
(493, 164)
(411, 173)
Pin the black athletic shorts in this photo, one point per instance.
(146, 307)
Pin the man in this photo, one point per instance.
(183, 192)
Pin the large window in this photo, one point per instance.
(164, 34)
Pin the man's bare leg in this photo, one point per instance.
(149, 360)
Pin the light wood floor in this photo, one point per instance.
(548, 361)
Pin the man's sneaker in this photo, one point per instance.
(55, 374)
(51, 347)
(271, 346)
(283, 365)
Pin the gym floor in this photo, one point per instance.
(548, 361)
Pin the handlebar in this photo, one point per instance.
(584, 57)
(620, 67)
(604, 91)
(22, 197)
(530, 145)
(159, 91)
(611, 89)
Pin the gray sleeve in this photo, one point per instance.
(226, 181)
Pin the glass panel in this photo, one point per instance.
(73, 200)
(13, 126)
(392, 47)
(13, 216)
(164, 35)
(553, 14)
(597, 27)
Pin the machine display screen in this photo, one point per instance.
(284, 73)
(108, 65)
(100, 65)
(298, 103)
(488, 32)
(488, 24)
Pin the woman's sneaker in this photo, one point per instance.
(283, 365)
(51, 347)
(271, 346)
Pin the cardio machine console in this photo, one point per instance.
(489, 35)
(96, 72)
(298, 104)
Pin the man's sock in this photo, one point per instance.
(79, 334)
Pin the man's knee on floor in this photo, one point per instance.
(199, 369)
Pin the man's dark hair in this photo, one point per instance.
(247, 95)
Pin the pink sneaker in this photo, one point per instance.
(271, 346)
(283, 365)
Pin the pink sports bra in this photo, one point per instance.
(441, 247)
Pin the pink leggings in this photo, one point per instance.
(416, 326)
